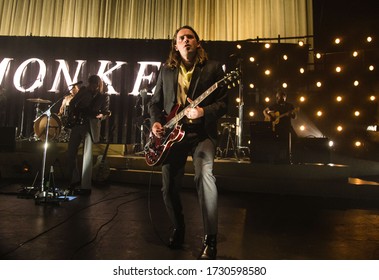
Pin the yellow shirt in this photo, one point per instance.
(184, 81)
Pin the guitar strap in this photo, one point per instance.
(192, 89)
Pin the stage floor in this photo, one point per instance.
(340, 177)
(129, 222)
(266, 211)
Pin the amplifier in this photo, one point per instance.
(263, 148)
(311, 150)
(7, 139)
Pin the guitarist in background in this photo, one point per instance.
(280, 114)
(87, 109)
(186, 75)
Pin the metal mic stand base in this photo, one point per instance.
(243, 152)
(50, 194)
(49, 198)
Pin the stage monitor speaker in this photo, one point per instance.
(261, 130)
(311, 150)
(7, 139)
(262, 144)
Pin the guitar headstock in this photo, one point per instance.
(232, 78)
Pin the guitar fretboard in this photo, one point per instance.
(171, 123)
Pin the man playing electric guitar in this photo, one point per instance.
(280, 115)
(185, 76)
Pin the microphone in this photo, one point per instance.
(75, 84)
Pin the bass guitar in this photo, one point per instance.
(156, 149)
(101, 170)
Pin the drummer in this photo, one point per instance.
(67, 99)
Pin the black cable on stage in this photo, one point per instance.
(64, 221)
(150, 213)
(103, 225)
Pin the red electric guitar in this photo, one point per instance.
(156, 149)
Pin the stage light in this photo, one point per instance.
(302, 127)
(238, 46)
(372, 98)
(371, 68)
(355, 53)
(369, 39)
(252, 58)
(318, 84)
(302, 99)
(301, 43)
(337, 41)
(302, 70)
(267, 72)
(356, 83)
(331, 143)
(251, 85)
(251, 114)
(318, 55)
(357, 113)
(267, 45)
(339, 98)
(284, 85)
(285, 57)
(25, 167)
(357, 144)
(267, 99)
(238, 100)
(338, 69)
(319, 113)
(339, 128)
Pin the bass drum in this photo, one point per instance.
(54, 127)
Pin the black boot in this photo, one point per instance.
(177, 238)
(209, 250)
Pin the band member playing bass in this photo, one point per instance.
(185, 76)
(280, 115)
(87, 109)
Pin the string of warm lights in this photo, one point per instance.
(335, 88)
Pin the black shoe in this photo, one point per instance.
(209, 250)
(177, 238)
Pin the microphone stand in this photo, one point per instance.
(143, 94)
(48, 194)
(240, 148)
(20, 135)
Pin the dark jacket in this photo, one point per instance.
(204, 76)
(88, 105)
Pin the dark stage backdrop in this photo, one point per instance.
(44, 67)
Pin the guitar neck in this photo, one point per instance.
(171, 123)
(286, 113)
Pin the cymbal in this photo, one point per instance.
(39, 100)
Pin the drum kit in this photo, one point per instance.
(57, 131)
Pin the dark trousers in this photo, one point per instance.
(203, 153)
